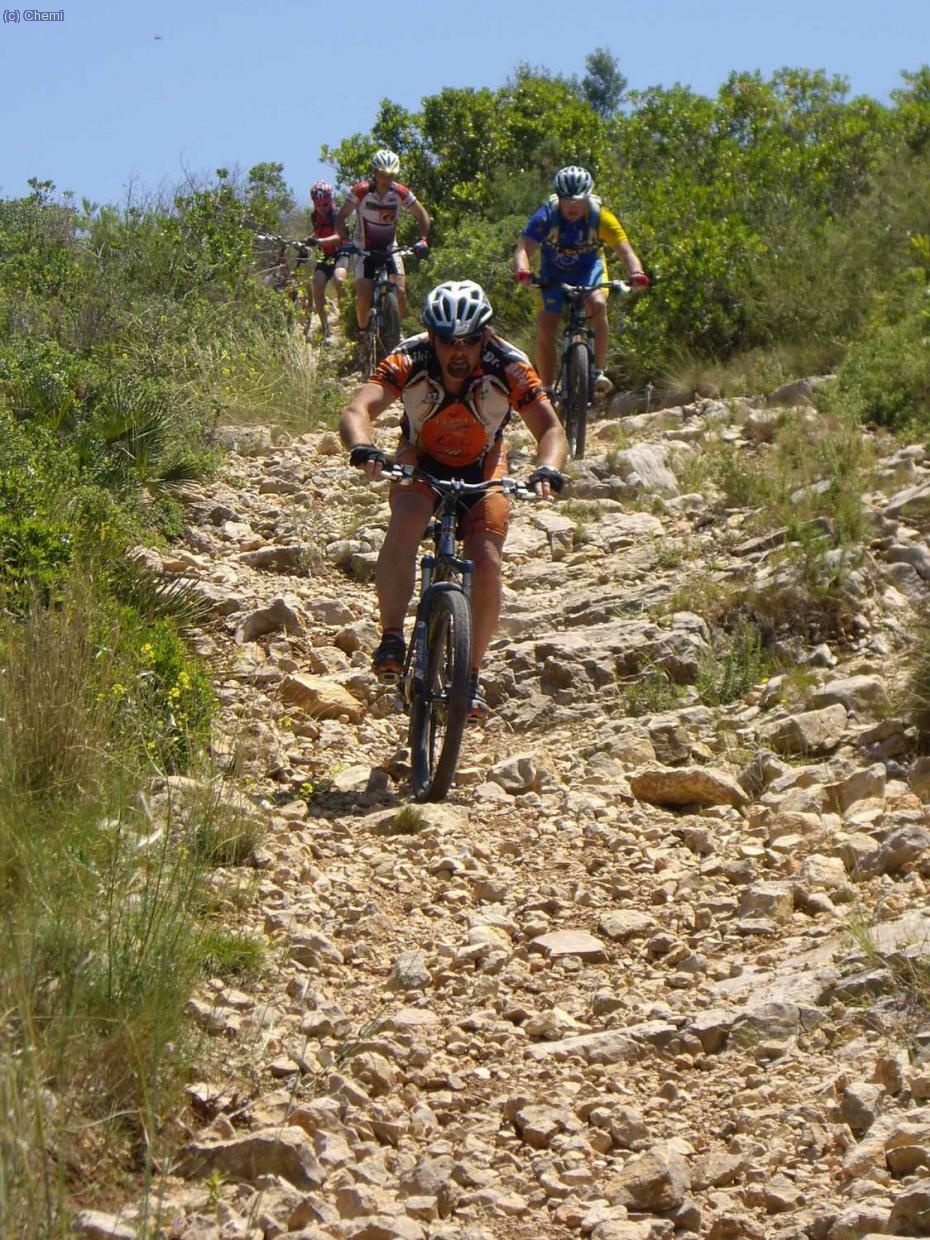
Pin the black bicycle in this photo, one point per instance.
(574, 390)
(292, 281)
(382, 334)
(436, 681)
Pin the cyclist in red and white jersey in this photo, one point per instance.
(330, 266)
(377, 202)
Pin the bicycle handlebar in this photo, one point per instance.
(352, 247)
(309, 241)
(617, 286)
(448, 486)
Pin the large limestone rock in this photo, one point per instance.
(286, 1151)
(281, 615)
(645, 466)
(859, 693)
(658, 1179)
(626, 923)
(95, 1225)
(910, 1214)
(321, 698)
(912, 502)
(687, 785)
(811, 732)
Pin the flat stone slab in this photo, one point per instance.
(607, 1047)
(570, 943)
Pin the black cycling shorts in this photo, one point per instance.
(379, 259)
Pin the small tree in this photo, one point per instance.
(603, 86)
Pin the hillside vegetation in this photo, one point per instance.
(785, 225)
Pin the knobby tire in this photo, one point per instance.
(390, 323)
(438, 717)
(368, 348)
(577, 395)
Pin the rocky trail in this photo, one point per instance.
(642, 975)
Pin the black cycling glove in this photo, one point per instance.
(362, 453)
(545, 473)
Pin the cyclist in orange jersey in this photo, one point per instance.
(460, 384)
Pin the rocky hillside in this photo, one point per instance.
(658, 966)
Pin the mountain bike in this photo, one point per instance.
(292, 282)
(435, 685)
(574, 389)
(382, 334)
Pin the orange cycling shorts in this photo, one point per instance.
(486, 514)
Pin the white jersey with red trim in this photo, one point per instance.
(376, 214)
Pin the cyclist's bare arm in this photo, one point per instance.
(340, 224)
(627, 254)
(526, 248)
(356, 426)
(551, 444)
(421, 215)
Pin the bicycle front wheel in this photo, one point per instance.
(577, 395)
(368, 348)
(439, 709)
(390, 323)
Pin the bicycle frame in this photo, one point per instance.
(574, 387)
(435, 684)
(444, 569)
(577, 328)
(383, 328)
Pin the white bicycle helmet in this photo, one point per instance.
(573, 182)
(385, 161)
(456, 308)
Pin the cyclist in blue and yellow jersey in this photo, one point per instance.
(572, 229)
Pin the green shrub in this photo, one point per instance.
(917, 693)
(167, 696)
(650, 693)
(884, 379)
(98, 951)
(729, 673)
(226, 953)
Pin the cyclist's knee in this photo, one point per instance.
(484, 547)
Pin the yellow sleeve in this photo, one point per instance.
(610, 230)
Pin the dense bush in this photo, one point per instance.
(770, 214)
(884, 378)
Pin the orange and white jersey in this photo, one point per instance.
(458, 429)
(376, 214)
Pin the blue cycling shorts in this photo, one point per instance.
(590, 270)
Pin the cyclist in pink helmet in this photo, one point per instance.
(329, 267)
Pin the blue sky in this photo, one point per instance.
(97, 103)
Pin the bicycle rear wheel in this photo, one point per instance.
(439, 710)
(577, 395)
(390, 323)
